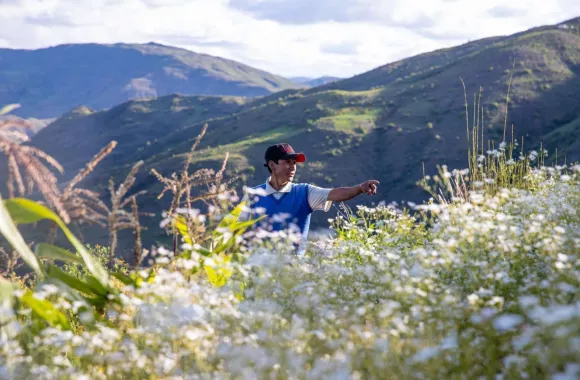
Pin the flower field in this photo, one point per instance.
(483, 288)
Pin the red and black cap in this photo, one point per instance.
(282, 152)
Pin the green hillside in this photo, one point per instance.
(383, 124)
(48, 82)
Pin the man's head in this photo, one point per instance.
(281, 161)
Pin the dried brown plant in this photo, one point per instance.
(83, 205)
(11, 264)
(181, 185)
(118, 218)
(35, 172)
(8, 261)
(138, 251)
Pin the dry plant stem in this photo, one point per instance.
(112, 222)
(90, 166)
(180, 185)
(52, 232)
(193, 149)
(7, 261)
(507, 99)
(83, 205)
(44, 180)
(119, 219)
(137, 232)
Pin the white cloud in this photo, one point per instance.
(288, 37)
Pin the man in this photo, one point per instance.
(280, 198)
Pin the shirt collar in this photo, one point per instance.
(270, 190)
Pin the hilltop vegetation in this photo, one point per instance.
(49, 82)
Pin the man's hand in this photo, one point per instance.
(369, 187)
(341, 194)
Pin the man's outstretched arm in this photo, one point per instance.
(341, 194)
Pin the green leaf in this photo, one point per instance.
(232, 216)
(243, 225)
(6, 305)
(71, 281)
(96, 285)
(230, 222)
(223, 246)
(11, 233)
(50, 251)
(8, 108)
(46, 311)
(181, 224)
(26, 211)
(219, 273)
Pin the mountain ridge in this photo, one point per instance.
(315, 81)
(50, 81)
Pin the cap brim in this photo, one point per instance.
(299, 157)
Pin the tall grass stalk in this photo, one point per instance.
(490, 169)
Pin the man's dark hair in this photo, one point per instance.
(268, 166)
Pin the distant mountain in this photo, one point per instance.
(313, 82)
(383, 124)
(48, 82)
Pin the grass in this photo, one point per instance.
(278, 134)
(349, 120)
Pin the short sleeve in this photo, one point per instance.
(318, 198)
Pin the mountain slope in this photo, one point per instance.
(313, 82)
(135, 125)
(48, 82)
(384, 124)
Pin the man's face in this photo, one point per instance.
(284, 170)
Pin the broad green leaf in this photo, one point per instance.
(26, 211)
(237, 228)
(11, 233)
(50, 251)
(219, 248)
(46, 311)
(232, 216)
(243, 225)
(96, 285)
(6, 306)
(71, 281)
(8, 108)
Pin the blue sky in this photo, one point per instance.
(286, 37)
